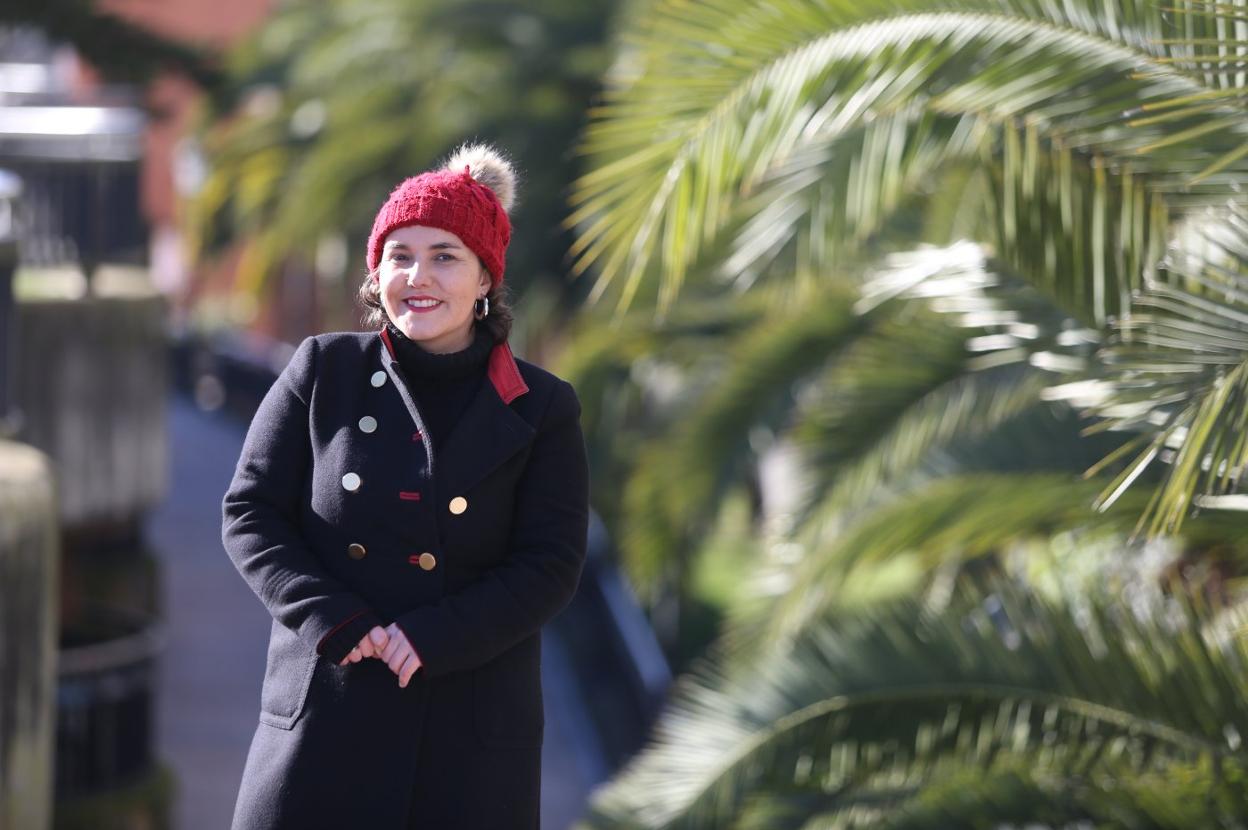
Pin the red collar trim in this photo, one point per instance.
(385, 337)
(502, 370)
(505, 374)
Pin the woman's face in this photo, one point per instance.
(429, 281)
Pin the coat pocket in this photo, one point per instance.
(507, 697)
(287, 677)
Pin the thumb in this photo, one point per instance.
(378, 636)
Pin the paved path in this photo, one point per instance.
(217, 635)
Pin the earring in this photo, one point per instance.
(481, 308)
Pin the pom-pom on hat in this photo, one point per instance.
(469, 196)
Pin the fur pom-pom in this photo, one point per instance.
(490, 168)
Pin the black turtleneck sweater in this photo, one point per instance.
(442, 384)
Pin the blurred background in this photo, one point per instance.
(911, 340)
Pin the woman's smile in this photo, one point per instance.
(417, 259)
(422, 305)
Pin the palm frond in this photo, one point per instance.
(891, 701)
(919, 387)
(632, 379)
(1176, 373)
(700, 129)
(714, 442)
(894, 548)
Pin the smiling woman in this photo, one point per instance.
(411, 506)
(491, 173)
(429, 284)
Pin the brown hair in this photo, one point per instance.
(498, 321)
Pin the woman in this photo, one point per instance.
(411, 506)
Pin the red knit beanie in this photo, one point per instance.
(468, 197)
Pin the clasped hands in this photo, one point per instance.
(390, 646)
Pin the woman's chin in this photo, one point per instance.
(415, 328)
(432, 338)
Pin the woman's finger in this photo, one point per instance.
(409, 668)
(388, 652)
(400, 656)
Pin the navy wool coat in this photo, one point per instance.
(339, 516)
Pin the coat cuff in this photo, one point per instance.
(337, 644)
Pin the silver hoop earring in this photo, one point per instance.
(481, 308)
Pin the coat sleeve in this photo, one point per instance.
(543, 567)
(260, 520)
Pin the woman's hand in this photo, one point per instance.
(399, 655)
(370, 645)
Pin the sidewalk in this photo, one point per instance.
(217, 635)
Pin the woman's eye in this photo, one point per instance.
(397, 257)
(445, 258)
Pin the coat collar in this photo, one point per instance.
(501, 370)
(487, 434)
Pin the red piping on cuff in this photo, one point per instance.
(336, 629)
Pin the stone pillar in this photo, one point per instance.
(28, 636)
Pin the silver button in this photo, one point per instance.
(368, 424)
(379, 378)
(458, 505)
(356, 551)
(351, 482)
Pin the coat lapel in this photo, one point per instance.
(487, 434)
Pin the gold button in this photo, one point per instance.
(355, 550)
(458, 505)
(378, 378)
(368, 424)
(428, 561)
(352, 482)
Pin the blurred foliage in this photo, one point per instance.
(952, 296)
(1000, 707)
(775, 144)
(332, 103)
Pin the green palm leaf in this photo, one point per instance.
(712, 444)
(701, 128)
(330, 103)
(886, 703)
(1176, 373)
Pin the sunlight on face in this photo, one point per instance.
(429, 282)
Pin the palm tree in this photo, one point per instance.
(1012, 710)
(331, 103)
(1049, 371)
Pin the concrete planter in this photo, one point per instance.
(90, 388)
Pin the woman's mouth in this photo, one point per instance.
(422, 306)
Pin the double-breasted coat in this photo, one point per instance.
(340, 508)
